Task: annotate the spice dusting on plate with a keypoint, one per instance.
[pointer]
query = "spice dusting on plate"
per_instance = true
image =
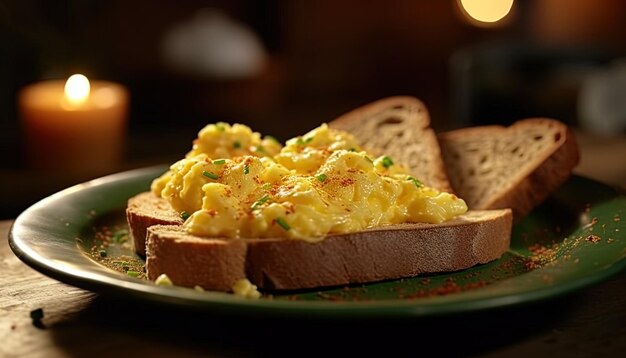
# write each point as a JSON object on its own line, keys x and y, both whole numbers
{"x": 111, "y": 248}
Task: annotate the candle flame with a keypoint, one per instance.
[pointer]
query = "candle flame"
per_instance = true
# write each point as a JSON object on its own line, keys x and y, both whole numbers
{"x": 486, "y": 11}
{"x": 77, "y": 89}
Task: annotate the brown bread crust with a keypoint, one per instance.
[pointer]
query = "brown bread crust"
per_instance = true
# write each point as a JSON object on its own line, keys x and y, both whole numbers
{"x": 400, "y": 128}
{"x": 188, "y": 260}
{"x": 383, "y": 253}
{"x": 145, "y": 210}
{"x": 520, "y": 185}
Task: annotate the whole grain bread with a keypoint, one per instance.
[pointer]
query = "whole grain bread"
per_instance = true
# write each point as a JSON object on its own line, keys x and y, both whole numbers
{"x": 389, "y": 252}
{"x": 145, "y": 210}
{"x": 493, "y": 167}
{"x": 400, "y": 128}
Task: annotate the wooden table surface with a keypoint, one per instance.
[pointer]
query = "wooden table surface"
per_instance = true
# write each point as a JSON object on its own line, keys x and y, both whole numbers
{"x": 78, "y": 323}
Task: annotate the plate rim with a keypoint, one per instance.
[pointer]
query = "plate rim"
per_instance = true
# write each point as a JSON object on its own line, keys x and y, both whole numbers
{"x": 225, "y": 302}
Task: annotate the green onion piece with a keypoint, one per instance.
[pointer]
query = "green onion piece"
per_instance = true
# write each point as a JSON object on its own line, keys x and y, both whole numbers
{"x": 236, "y": 144}
{"x": 103, "y": 253}
{"x": 308, "y": 140}
{"x": 283, "y": 224}
{"x": 220, "y": 127}
{"x": 260, "y": 202}
{"x": 185, "y": 215}
{"x": 387, "y": 162}
{"x": 267, "y": 186}
{"x": 219, "y": 161}
{"x": 322, "y": 177}
{"x": 210, "y": 175}
{"x": 120, "y": 236}
{"x": 353, "y": 149}
{"x": 417, "y": 183}
{"x": 369, "y": 159}
{"x": 260, "y": 149}
{"x": 132, "y": 273}
{"x": 246, "y": 169}
{"x": 299, "y": 141}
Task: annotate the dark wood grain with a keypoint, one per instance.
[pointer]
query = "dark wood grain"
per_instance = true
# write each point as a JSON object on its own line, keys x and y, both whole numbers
{"x": 80, "y": 323}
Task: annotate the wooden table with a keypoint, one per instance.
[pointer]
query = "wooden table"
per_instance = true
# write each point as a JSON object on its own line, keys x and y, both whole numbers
{"x": 79, "y": 323}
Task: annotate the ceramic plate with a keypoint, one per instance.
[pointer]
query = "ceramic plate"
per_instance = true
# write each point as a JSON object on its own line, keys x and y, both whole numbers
{"x": 576, "y": 238}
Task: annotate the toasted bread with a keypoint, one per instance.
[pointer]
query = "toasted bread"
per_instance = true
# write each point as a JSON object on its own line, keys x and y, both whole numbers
{"x": 494, "y": 167}
{"x": 400, "y": 128}
{"x": 145, "y": 210}
{"x": 377, "y": 254}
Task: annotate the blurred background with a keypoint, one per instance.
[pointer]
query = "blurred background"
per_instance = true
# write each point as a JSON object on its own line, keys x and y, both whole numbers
{"x": 283, "y": 67}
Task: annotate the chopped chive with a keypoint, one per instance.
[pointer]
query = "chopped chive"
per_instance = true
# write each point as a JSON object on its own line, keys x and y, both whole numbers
{"x": 322, "y": 177}
{"x": 220, "y": 127}
{"x": 125, "y": 267}
{"x": 219, "y": 161}
{"x": 103, "y": 253}
{"x": 260, "y": 202}
{"x": 210, "y": 175}
{"x": 369, "y": 159}
{"x": 417, "y": 183}
{"x": 283, "y": 224}
{"x": 260, "y": 149}
{"x": 236, "y": 144}
{"x": 185, "y": 215}
{"x": 267, "y": 186}
{"x": 353, "y": 149}
{"x": 132, "y": 273}
{"x": 387, "y": 162}
{"x": 246, "y": 169}
{"x": 120, "y": 236}
{"x": 301, "y": 141}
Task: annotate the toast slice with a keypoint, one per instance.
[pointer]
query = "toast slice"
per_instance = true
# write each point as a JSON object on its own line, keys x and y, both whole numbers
{"x": 145, "y": 210}
{"x": 517, "y": 167}
{"x": 400, "y": 128}
{"x": 377, "y": 254}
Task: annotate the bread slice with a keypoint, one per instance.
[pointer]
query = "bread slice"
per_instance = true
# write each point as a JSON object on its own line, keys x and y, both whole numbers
{"x": 400, "y": 128}
{"x": 382, "y": 253}
{"x": 145, "y": 210}
{"x": 493, "y": 167}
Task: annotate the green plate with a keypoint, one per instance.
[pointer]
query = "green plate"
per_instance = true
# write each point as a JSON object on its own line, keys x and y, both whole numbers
{"x": 576, "y": 238}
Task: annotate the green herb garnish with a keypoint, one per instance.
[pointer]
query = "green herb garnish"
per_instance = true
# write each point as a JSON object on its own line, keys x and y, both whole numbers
{"x": 246, "y": 169}
{"x": 103, "y": 253}
{"x": 353, "y": 149}
{"x": 283, "y": 224}
{"x": 219, "y": 161}
{"x": 260, "y": 149}
{"x": 185, "y": 215}
{"x": 387, "y": 162}
{"x": 301, "y": 141}
{"x": 260, "y": 202}
{"x": 417, "y": 183}
{"x": 236, "y": 144}
{"x": 120, "y": 236}
{"x": 132, "y": 273}
{"x": 322, "y": 177}
{"x": 369, "y": 159}
{"x": 220, "y": 127}
{"x": 267, "y": 186}
{"x": 210, "y": 175}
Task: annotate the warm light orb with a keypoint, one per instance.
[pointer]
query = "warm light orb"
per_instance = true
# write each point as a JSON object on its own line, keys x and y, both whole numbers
{"x": 77, "y": 89}
{"x": 487, "y": 10}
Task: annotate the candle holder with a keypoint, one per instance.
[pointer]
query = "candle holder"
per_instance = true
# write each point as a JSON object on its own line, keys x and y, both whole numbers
{"x": 75, "y": 128}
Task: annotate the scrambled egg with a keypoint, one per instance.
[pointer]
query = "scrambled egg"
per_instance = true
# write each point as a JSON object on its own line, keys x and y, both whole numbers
{"x": 235, "y": 184}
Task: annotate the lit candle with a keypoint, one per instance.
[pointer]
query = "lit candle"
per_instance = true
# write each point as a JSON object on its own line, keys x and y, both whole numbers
{"x": 75, "y": 127}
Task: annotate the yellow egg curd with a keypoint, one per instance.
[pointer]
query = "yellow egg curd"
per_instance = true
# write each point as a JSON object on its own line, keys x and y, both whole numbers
{"x": 318, "y": 184}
